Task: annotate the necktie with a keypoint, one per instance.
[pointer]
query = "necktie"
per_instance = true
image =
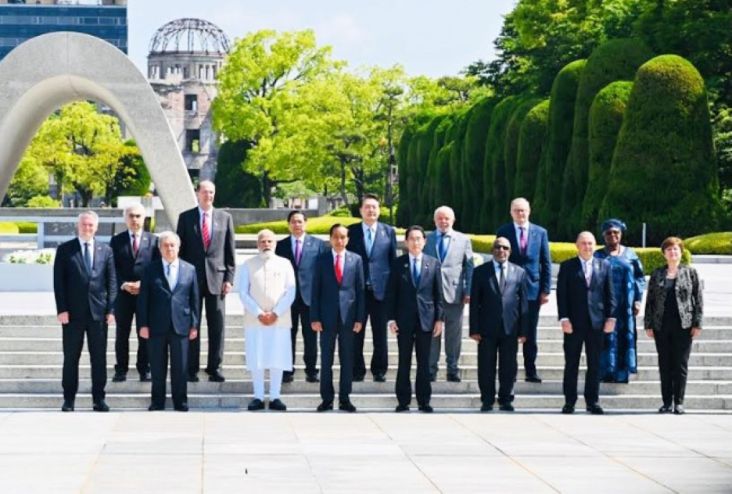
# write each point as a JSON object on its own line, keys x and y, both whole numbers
{"x": 588, "y": 272}
{"x": 442, "y": 247}
{"x": 135, "y": 244}
{"x": 169, "y": 275}
{"x": 522, "y": 240}
{"x": 205, "y": 232}
{"x": 415, "y": 272}
{"x": 338, "y": 269}
{"x": 298, "y": 252}
{"x": 369, "y": 241}
{"x": 502, "y": 277}
{"x": 87, "y": 257}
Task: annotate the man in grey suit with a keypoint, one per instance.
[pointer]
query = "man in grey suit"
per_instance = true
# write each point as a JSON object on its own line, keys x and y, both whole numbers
{"x": 455, "y": 253}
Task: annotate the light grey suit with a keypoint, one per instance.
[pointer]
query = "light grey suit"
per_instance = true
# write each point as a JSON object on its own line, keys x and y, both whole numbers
{"x": 457, "y": 275}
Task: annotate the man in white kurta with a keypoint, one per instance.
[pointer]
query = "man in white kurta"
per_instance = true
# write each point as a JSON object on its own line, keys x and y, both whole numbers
{"x": 267, "y": 290}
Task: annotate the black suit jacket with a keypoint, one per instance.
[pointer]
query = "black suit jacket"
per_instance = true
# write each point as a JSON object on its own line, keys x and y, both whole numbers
{"x": 129, "y": 267}
{"x": 415, "y": 307}
{"x": 583, "y": 305}
{"x": 82, "y": 294}
{"x": 492, "y": 313}
{"x": 376, "y": 266}
{"x": 312, "y": 247}
{"x": 160, "y": 308}
{"x": 217, "y": 264}
{"x": 331, "y": 300}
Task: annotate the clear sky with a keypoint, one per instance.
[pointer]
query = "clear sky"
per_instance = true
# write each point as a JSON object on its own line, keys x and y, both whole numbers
{"x": 428, "y": 37}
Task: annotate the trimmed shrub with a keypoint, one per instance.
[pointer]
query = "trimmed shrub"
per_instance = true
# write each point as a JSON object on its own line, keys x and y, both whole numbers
{"x": 606, "y": 118}
{"x": 548, "y": 198}
{"x": 8, "y": 228}
{"x": 663, "y": 171}
{"x": 473, "y": 158}
{"x": 459, "y": 200}
{"x": 510, "y": 147}
{"x": 711, "y": 243}
{"x": 532, "y": 139}
{"x": 424, "y": 139}
{"x": 615, "y": 60}
{"x": 443, "y": 187}
{"x": 429, "y": 196}
{"x": 43, "y": 202}
{"x": 405, "y": 201}
{"x": 26, "y": 227}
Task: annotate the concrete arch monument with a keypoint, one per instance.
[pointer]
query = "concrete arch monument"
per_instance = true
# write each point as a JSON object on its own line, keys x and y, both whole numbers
{"x": 48, "y": 71}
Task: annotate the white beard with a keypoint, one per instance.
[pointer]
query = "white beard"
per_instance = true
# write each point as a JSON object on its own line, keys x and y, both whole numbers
{"x": 266, "y": 255}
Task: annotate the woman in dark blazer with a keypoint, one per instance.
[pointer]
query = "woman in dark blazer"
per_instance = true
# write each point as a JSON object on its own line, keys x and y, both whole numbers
{"x": 673, "y": 317}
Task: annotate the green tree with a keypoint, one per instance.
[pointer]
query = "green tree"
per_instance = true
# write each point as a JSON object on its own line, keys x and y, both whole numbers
{"x": 531, "y": 145}
{"x": 236, "y": 188}
{"x": 474, "y": 157}
{"x": 30, "y": 180}
{"x": 511, "y": 146}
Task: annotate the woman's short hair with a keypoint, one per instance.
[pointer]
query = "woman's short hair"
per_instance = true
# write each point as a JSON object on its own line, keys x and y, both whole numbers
{"x": 670, "y": 242}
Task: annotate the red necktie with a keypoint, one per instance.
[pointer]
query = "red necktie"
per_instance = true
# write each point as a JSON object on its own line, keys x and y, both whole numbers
{"x": 205, "y": 232}
{"x": 338, "y": 269}
{"x": 135, "y": 244}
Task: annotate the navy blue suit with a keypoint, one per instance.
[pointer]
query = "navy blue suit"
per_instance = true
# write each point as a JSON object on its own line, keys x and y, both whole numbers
{"x": 537, "y": 262}
{"x": 169, "y": 314}
{"x": 376, "y": 275}
{"x": 130, "y": 268}
{"x": 337, "y": 307}
{"x": 500, "y": 317}
{"x": 88, "y": 296}
{"x": 587, "y": 308}
{"x": 311, "y": 248}
{"x": 415, "y": 308}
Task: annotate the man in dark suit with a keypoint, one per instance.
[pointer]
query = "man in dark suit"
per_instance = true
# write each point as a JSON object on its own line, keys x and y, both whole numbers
{"x": 207, "y": 242}
{"x": 337, "y": 310}
{"x": 586, "y": 304}
{"x": 302, "y": 250}
{"x": 416, "y": 315}
{"x": 498, "y": 322}
{"x": 168, "y": 314}
{"x": 376, "y": 243}
{"x": 133, "y": 250}
{"x": 85, "y": 287}
{"x": 530, "y": 250}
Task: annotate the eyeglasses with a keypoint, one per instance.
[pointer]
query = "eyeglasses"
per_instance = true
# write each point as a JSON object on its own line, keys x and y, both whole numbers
{"x": 134, "y": 215}
{"x": 501, "y": 247}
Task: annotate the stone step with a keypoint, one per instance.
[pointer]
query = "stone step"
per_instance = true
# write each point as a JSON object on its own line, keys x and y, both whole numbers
{"x": 371, "y": 402}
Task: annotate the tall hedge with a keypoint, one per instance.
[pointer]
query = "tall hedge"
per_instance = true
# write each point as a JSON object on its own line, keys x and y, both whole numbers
{"x": 663, "y": 170}
{"x": 606, "y": 118}
{"x": 440, "y": 186}
{"x": 548, "y": 199}
{"x": 424, "y": 138}
{"x": 404, "y": 211}
{"x": 441, "y": 125}
{"x": 443, "y": 189}
{"x": 615, "y": 60}
{"x": 473, "y": 158}
{"x": 531, "y": 143}
{"x": 510, "y": 147}
{"x": 456, "y": 168}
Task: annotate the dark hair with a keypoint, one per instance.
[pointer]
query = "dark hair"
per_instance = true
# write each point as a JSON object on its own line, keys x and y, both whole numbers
{"x": 294, "y": 212}
{"x": 369, "y": 196}
{"x": 670, "y": 242}
{"x": 411, "y": 229}
{"x": 337, "y": 225}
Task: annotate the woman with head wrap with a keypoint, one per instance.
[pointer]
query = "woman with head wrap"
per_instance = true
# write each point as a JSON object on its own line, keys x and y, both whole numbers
{"x": 618, "y": 358}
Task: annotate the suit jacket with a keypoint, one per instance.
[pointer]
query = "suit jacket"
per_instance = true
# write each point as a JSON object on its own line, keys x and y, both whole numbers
{"x": 78, "y": 292}
{"x": 688, "y": 298}
{"x": 537, "y": 261}
{"x": 160, "y": 308}
{"x": 129, "y": 267}
{"x": 456, "y": 267}
{"x": 581, "y": 304}
{"x": 376, "y": 266}
{"x": 415, "y": 307}
{"x": 217, "y": 264}
{"x": 494, "y": 313}
{"x": 312, "y": 247}
{"x": 330, "y": 300}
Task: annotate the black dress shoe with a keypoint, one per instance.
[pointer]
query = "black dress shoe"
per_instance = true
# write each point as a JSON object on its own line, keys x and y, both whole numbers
{"x": 665, "y": 409}
{"x": 68, "y": 406}
{"x": 325, "y": 406}
{"x": 359, "y": 378}
{"x": 155, "y": 408}
{"x": 119, "y": 377}
{"x": 433, "y": 378}
{"x": 100, "y": 406}
{"x": 595, "y": 409}
{"x": 277, "y": 405}
{"x": 255, "y": 404}
{"x": 567, "y": 408}
{"x": 379, "y": 378}
{"x": 402, "y": 408}
{"x": 453, "y": 378}
{"x": 182, "y": 407}
{"x": 145, "y": 377}
{"x": 312, "y": 378}
{"x": 288, "y": 378}
{"x": 506, "y": 407}
{"x": 533, "y": 379}
{"x": 426, "y": 409}
{"x": 193, "y": 378}
{"x": 679, "y": 409}
{"x": 216, "y": 377}
{"x": 485, "y": 407}
{"x": 346, "y": 406}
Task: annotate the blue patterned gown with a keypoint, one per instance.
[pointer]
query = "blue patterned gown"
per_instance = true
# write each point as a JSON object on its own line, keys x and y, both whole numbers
{"x": 619, "y": 358}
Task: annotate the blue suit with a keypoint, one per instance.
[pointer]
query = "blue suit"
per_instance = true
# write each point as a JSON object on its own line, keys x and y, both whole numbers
{"x": 337, "y": 307}
{"x": 311, "y": 248}
{"x": 376, "y": 267}
{"x": 537, "y": 262}
{"x": 587, "y": 308}
{"x": 169, "y": 314}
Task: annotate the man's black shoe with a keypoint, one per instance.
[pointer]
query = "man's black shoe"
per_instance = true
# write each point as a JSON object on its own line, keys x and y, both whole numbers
{"x": 567, "y": 408}
{"x": 216, "y": 377}
{"x": 595, "y": 409}
{"x": 359, "y": 378}
{"x": 665, "y": 409}
{"x": 506, "y": 407}
{"x": 379, "y": 378}
{"x": 453, "y": 378}
{"x": 145, "y": 377}
{"x": 433, "y": 378}
{"x": 277, "y": 405}
{"x": 100, "y": 406}
{"x": 402, "y": 408}
{"x": 183, "y": 407}
{"x": 485, "y": 407}
{"x": 255, "y": 404}
{"x": 68, "y": 406}
{"x": 119, "y": 377}
{"x": 533, "y": 379}
{"x": 288, "y": 378}
{"x": 325, "y": 406}
{"x": 679, "y": 409}
{"x": 346, "y": 406}
{"x": 155, "y": 408}
{"x": 193, "y": 378}
{"x": 426, "y": 409}
{"x": 312, "y": 378}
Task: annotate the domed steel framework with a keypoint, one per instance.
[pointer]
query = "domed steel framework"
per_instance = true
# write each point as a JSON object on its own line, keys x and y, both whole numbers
{"x": 189, "y": 36}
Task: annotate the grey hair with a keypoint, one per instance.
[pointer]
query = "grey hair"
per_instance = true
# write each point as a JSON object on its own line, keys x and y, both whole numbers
{"x": 135, "y": 206}
{"x": 445, "y": 209}
{"x": 91, "y": 213}
{"x": 166, "y": 235}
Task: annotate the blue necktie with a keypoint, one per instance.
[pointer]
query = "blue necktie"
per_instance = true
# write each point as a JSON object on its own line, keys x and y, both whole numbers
{"x": 441, "y": 246}
{"x": 415, "y": 273}
{"x": 87, "y": 257}
{"x": 369, "y": 242}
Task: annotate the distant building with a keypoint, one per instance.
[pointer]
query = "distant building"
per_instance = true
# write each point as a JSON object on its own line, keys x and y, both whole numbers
{"x": 21, "y": 20}
{"x": 185, "y": 56}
